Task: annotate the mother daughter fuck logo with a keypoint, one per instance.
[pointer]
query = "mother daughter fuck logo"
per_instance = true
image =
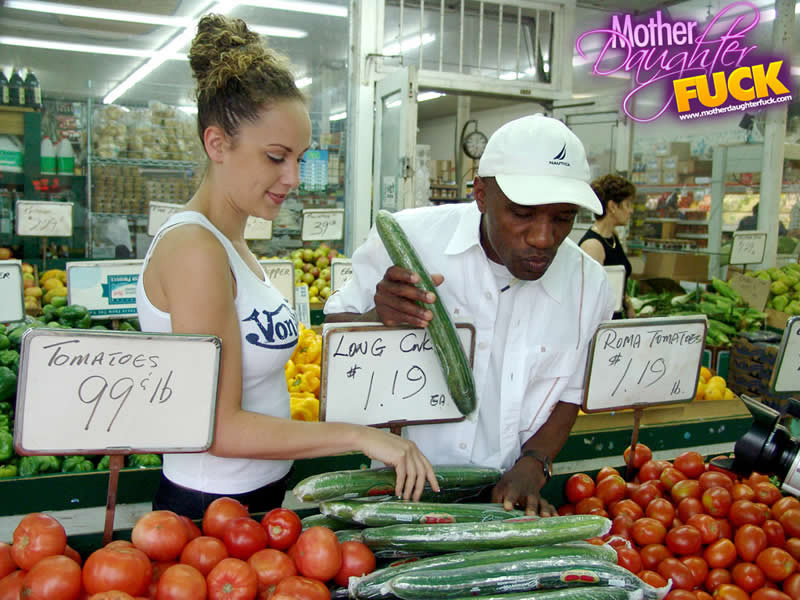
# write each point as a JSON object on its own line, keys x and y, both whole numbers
{"x": 693, "y": 70}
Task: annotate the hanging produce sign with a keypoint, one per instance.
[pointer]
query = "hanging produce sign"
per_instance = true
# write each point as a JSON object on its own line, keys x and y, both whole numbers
{"x": 43, "y": 218}
{"x": 106, "y": 288}
{"x": 322, "y": 224}
{"x": 341, "y": 272}
{"x": 385, "y": 376}
{"x": 302, "y": 304}
{"x": 753, "y": 290}
{"x": 158, "y": 213}
{"x": 748, "y": 247}
{"x": 257, "y": 229}
{"x": 786, "y": 374}
{"x": 644, "y": 362}
{"x": 616, "y": 280}
{"x": 12, "y": 304}
{"x": 281, "y": 275}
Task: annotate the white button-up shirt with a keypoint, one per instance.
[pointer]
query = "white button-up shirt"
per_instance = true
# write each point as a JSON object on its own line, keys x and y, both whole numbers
{"x": 551, "y": 323}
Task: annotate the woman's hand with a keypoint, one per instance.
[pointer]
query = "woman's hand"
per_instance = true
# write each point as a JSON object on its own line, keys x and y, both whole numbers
{"x": 411, "y": 466}
{"x": 396, "y": 297}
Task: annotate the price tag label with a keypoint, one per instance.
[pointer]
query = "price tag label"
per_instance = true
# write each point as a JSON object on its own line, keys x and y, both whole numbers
{"x": 644, "y": 362}
{"x": 322, "y": 224}
{"x": 92, "y": 392}
{"x": 44, "y": 219}
{"x": 281, "y": 275}
{"x": 753, "y": 290}
{"x": 616, "y": 279}
{"x": 377, "y": 375}
{"x": 341, "y": 272}
{"x": 158, "y": 214}
{"x": 786, "y": 374}
{"x": 106, "y": 288}
{"x": 302, "y": 305}
{"x": 257, "y": 229}
{"x": 12, "y": 304}
{"x": 748, "y": 247}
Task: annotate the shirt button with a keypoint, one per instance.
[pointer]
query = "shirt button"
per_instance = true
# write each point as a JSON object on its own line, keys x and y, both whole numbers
{"x": 463, "y": 446}
{"x": 456, "y": 312}
{"x": 488, "y": 295}
{"x": 483, "y": 345}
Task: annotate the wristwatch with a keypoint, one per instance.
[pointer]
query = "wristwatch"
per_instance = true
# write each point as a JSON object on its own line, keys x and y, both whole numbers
{"x": 547, "y": 464}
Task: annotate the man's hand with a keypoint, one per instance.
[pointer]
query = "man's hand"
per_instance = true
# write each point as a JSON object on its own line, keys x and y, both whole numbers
{"x": 521, "y": 486}
{"x": 396, "y": 297}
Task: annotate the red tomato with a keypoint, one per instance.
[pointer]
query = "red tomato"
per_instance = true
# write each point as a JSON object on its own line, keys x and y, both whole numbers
{"x": 11, "y": 585}
{"x": 783, "y": 505}
{"x": 743, "y": 512}
{"x": 244, "y": 537}
{"x": 158, "y": 570}
{"x": 728, "y": 591}
{"x": 648, "y": 531}
{"x": 717, "y": 577}
{"x": 661, "y": 510}
{"x": 707, "y": 525}
{"x": 566, "y": 509}
{"x": 653, "y": 554}
{"x": 647, "y": 492}
{"x": 720, "y": 554}
{"x": 271, "y": 566}
{"x": 630, "y": 488}
{"x": 192, "y": 530}
{"x": 318, "y": 554}
{"x": 203, "y": 553}
{"x": 160, "y": 534}
{"x": 53, "y": 578}
{"x": 792, "y": 546}
{"x": 585, "y": 506}
{"x": 717, "y": 501}
{"x": 755, "y": 478}
{"x": 651, "y": 470}
{"x": 775, "y": 534}
{"x": 219, "y": 512}
{"x": 37, "y": 536}
{"x": 605, "y": 472}
{"x": 7, "y": 564}
{"x": 302, "y": 588}
{"x": 686, "y": 488}
{"x": 749, "y": 541}
{"x": 652, "y": 578}
{"x": 181, "y": 582}
{"x": 626, "y": 507}
{"x": 232, "y": 579}
{"x": 283, "y": 527}
{"x": 690, "y": 464}
{"x": 126, "y": 569}
{"x": 791, "y": 586}
{"x": 616, "y": 542}
{"x": 725, "y": 529}
{"x": 670, "y": 476}
{"x": 640, "y": 455}
{"x": 766, "y": 593}
{"x": 698, "y": 567}
{"x": 684, "y": 540}
{"x": 748, "y": 576}
{"x": 703, "y": 595}
{"x": 689, "y": 507}
{"x": 357, "y": 560}
{"x": 742, "y": 491}
{"x": 578, "y": 487}
{"x": 115, "y": 595}
{"x": 790, "y": 520}
{"x": 711, "y": 479}
{"x": 629, "y": 558}
{"x": 678, "y": 594}
{"x": 610, "y": 489}
{"x": 777, "y": 564}
{"x": 119, "y": 544}
{"x": 621, "y": 525}
{"x": 672, "y": 568}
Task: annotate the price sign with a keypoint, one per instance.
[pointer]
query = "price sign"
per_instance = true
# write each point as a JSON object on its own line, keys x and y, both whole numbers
{"x": 616, "y": 279}
{"x": 748, "y": 247}
{"x": 786, "y": 374}
{"x": 323, "y": 224}
{"x": 12, "y": 305}
{"x": 281, "y": 275}
{"x": 377, "y": 375}
{"x": 341, "y": 272}
{"x": 158, "y": 214}
{"x": 302, "y": 305}
{"x": 106, "y": 288}
{"x": 753, "y": 290}
{"x": 643, "y": 362}
{"x": 257, "y": 229}
{"x": 96, "y": 392}
{"x": 44, "y": 219}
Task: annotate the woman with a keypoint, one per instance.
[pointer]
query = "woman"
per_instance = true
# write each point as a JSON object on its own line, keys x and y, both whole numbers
{"x": 200, "y": 277}
{"x": 600, "y": 241}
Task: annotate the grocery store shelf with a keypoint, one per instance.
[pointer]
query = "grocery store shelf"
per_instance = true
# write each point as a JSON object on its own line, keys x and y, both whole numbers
{"x": 692, "y": 236}
{"x": 145, "y": 163}
{"x": 644, "y": 248}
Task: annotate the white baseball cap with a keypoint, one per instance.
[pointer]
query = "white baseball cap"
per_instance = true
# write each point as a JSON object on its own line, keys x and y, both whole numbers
{"x": 538, "y": 160}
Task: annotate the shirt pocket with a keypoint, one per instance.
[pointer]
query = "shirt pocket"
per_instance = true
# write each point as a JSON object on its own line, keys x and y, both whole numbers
{"x": 551, "y": 361}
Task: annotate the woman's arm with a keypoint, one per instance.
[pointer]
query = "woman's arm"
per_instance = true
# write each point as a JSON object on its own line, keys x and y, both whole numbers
{"x": 594, "y": 249}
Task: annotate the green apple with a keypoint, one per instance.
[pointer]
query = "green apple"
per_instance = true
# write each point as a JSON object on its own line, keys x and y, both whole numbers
{"x": 308, "y": 254}
{"x": 307, "y": 278}
{"x": 325, "y": 292}
{"x": 323, "y": 261}
{"x": 297, "y": 262}
{"x": 325, "y": 274}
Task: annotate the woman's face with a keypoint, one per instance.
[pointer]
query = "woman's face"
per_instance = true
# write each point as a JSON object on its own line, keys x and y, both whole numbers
{"x": 622, "y": 212}
{"x": 262, "y": 164}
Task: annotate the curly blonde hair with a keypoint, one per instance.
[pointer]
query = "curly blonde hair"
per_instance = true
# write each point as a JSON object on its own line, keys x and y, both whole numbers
{"x": 612, "y": 188}
{"x": 237, "y": 75}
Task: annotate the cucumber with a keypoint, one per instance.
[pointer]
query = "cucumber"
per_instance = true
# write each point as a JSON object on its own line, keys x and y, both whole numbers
{"x": 377, "y": 514}
{"x": 574, "y": 593}
{"x": 454, "y": 537}
{"x": 446, "y": 344}
{"x": 348, "y": 535}
{"x": 373, "y": 586}
{"x": 379, "y": 482}
{"x": 521, "y": 576}
{"x": 325, "y": 521}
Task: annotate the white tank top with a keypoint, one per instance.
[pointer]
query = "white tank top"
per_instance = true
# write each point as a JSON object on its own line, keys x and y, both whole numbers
{"x": 269, "y": 334}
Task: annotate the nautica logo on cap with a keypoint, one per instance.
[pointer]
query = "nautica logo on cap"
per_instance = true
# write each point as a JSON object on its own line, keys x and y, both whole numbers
{"x": 558, "y": 159}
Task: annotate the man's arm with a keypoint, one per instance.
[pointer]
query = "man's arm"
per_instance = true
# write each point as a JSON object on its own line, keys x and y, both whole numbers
{"x": 351, "y": 317}
{"x": 521, "y": 485}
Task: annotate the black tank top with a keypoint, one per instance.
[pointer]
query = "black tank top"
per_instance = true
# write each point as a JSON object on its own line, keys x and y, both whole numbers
{"x": 615, "y": 255}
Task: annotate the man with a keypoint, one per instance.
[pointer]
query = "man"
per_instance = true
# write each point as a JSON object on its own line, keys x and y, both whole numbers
{"x": 505, "y": 264}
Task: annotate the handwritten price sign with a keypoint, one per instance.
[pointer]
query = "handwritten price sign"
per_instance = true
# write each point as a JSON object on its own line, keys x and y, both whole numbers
{"x": 44, "y": 219}
{"x": 98, "y": 391}
{"x": 341, "y": 272}
{"x": 257, "y": 229}
{"x": 786, "y": 374}
{"x": 323, "y": 224}
{"x": 748, "y": 247}
{"x": 12, "y": 306}
{"x": 644, "y": 362}
{"x": 281, "y": 275}
{"x": 158, "y": 213}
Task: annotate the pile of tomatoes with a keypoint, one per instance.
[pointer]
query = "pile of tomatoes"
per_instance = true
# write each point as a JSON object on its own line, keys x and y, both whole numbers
{"x": 712, "y": 533}
{"x": 233, "y": 557}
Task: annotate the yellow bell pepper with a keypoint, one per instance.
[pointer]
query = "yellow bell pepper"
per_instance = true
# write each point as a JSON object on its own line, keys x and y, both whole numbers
{"x": 304, "y": 382}
{"x": 308, "y": 368}
{"x": 308, "y": 350}
{"x": 304, "y": 407}
{"x": 290, "y": 370}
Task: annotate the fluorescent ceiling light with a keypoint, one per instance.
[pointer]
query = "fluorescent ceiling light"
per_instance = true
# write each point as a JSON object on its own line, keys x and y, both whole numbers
{"x": 337, "y": 116}
{"x": 69, "y": 47}
{"x": 284, "y": 32}
{"x": 56, "y": 8}
{"x": 303, "y": 82}
{"x": 796, "y": 71}
{"x": 408, "y": 44}
{"x": 316, "y": 8}
{"x": 424, "y": 96}
{"x": 512, "y": 76}
{"x": 189, "y": 110}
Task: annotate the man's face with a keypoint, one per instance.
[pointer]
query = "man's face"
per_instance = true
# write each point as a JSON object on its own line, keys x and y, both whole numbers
{"x": 523, "y": 238}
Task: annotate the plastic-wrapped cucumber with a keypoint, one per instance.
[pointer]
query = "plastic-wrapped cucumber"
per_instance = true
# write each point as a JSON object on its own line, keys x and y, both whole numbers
{"x": 520, "y": 576}
{"x": 325, "y": 521}
{"x": 455, "y": 537}
{"x": 573, "y": 593}
{"x": 380, "y": 482}
{"x": 377, "y": 514}
{"x": 373, "y": 586}
{"x": 348, "y": 535}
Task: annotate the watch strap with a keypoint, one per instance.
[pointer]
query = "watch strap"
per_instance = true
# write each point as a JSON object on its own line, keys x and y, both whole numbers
{"x": 547, "y": 464}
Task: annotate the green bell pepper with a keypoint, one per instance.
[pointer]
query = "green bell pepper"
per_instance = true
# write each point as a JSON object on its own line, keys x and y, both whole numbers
{"x": 125, "y": 326}
{"x": 6, "y": 408}
{"x": 5, "y": 423}
{"x": 780, "y": 302}
{"x": 9, "y": 358}
{"x": 4, "y": 341}
{"x": 7, "y": 471}
{"x": 144, "y": 460}
{"x": 103, "y": 464}
{"x": 6, "y": 446}
{"x": 76, "y": 464}
{"x": 8, "y": 383}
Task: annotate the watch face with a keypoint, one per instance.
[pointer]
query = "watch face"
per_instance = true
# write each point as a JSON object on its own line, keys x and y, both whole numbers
{"x": 475, "y": 144}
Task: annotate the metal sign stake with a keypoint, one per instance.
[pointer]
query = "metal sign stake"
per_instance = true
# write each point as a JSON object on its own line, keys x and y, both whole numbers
{"x": 115, "y": 463}
{"x": 637, "y": 420}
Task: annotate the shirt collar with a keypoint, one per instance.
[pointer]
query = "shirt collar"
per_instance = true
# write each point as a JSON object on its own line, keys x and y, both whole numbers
{"x": 468, "y": 231}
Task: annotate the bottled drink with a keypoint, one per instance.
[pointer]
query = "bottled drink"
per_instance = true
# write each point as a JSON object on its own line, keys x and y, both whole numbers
{"x": 65, "y": 158}
{"x": 16, "y": 90}
{"x": 33, "y": 91}
{"x": 6, "y": 212}
{"x": 3, "y": 88}
{"x": 48, "y": 157}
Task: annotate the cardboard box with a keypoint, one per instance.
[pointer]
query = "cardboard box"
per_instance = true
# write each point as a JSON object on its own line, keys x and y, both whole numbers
{"x": 652, "y": 177}
{"x": 686, "y": 267}
{"x": 776, "y": 318}
{"x": 686, "y": 167}
{"x": 669, "y": 163}
{"x": 653, "y": 163}
{"x": 702, "y": 167}
{"x": 669, "y": 177}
